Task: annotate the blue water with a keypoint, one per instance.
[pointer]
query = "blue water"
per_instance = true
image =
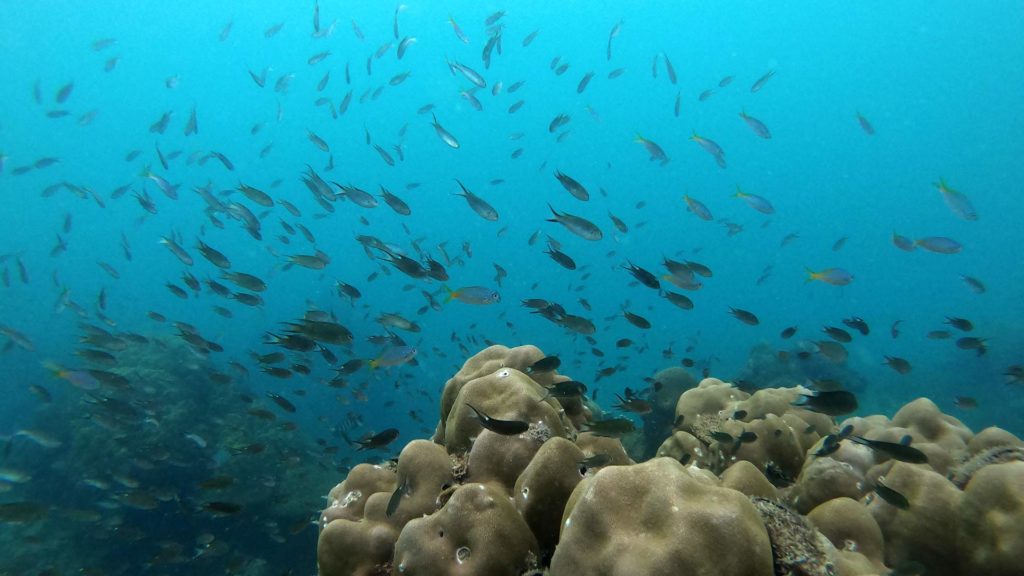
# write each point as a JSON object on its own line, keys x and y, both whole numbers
{"x": 939, "y": 82}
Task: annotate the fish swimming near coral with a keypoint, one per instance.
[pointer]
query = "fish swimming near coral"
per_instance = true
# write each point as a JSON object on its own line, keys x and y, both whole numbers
{"x": 503, "y": 427}
{"x": 896, "y": 451}
{"x": 633, "y": 404}
{"x": 396, "y": 497}
{"x": 394, "y": 356}
{"x": 834, "y": 403}
{"x": 377, "y": 441}
{"x": 546, "y": 364}
{"x": 610, "y": 427}
{"x": 891, "y": 496}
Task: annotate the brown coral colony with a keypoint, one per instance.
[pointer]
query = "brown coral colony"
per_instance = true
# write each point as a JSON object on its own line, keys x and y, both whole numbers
{"x": 516, "y": 481}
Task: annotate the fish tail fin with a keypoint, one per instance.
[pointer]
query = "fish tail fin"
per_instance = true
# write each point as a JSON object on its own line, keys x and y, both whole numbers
{"x": 811, "y": 275}
{"x": 450, "y": 294}
{"x": 55, "y": 370}
{"x": 145, "y": 172}
{"x": 639, "y": 139}
{"x": 553, "y": 211}
{"x": 372, "y": 364}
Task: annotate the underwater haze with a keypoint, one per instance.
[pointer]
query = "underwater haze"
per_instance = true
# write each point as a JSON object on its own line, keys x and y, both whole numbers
{"x": 241, "y": 240}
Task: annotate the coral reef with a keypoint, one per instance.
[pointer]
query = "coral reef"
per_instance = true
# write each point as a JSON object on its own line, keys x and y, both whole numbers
{"x": 161, "y": 443}
{"x": 739, "y": 482}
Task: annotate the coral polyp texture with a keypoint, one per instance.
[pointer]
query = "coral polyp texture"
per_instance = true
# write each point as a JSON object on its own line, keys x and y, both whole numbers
{"x": 522, "y": 478}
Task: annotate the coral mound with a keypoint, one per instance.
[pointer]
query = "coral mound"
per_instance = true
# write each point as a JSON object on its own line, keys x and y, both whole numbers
{"x": 741, "y": 483}
{"x": 478, "y": 531}
{"x": 654, "y": 517}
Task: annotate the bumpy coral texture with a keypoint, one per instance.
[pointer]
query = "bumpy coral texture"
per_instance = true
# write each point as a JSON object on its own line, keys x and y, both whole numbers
{"x": 555, "y": 501}
{"x": 544, "y": 487}
{"x": 659, "y": 518}
{"x": 991, "y": 521}
{"x": 478, "y": 531}
{"x": 854, "y": 532}
{"x": 927, "y": 531}
{"x": 485, "y": 362}
{"x": 358, "y": 535}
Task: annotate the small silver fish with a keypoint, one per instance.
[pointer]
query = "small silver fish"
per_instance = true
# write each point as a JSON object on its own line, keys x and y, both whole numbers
{"x": 478, "y": 204}
{"x": 445, "y": 135}
{"x": 756, "y": 125}
{"x": 577, "y": 225}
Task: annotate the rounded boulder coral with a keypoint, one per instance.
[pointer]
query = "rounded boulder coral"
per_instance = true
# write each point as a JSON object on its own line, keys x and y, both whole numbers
{"x": 659, "y": 518}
